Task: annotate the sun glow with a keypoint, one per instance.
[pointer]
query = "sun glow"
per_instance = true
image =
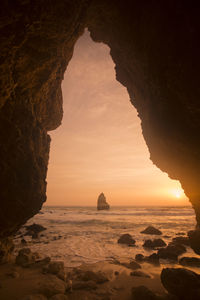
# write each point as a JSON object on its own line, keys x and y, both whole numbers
{"x": 177, "y": 193}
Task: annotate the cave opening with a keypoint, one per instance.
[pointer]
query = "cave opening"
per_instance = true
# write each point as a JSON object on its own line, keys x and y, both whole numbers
{"x": 100, "y": 146}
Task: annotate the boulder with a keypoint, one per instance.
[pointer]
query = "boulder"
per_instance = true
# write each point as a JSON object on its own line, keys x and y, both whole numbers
{"x": 156, "y": 243}
{"x": 142, "y": 293}
{"x": 34, "y": 297}
{"x": 51, "y": 286}
{"x": 172, "y": 251}
{"x": 140, "y": 274}
{"x": 181, "y": 240}
{"x": 190, "y": 261}
{"x": 101, "y": 202}
{"x": 181, "y": 282}
{"x": 59, "y": 297}
{"x": 126, "y": 239}
{"x": 194, "y": 239}
{"x": 139, "y": 257}
{"x": 151, "y": 230}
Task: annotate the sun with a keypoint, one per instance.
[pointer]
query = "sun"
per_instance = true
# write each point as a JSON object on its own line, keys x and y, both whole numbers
{"x": 177, "y": 193}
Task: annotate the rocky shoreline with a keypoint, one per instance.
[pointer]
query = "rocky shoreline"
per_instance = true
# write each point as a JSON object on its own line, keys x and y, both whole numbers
{"x": 161, "y": 275}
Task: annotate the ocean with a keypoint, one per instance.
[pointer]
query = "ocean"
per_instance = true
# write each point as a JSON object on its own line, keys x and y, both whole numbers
{"x": 79, "y": 235}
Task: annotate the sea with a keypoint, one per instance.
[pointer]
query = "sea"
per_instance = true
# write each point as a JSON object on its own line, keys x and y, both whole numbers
{"x": 78, "y": 235}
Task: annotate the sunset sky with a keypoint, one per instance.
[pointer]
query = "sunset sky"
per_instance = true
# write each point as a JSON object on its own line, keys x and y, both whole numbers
{"x": 99, "y": 147}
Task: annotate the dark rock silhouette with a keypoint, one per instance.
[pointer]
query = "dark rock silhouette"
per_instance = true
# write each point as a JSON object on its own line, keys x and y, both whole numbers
{"x": 101, "y": 202}
{"x": 156, "y": 243}
{"x": 34, "y": 228}
{"x": 159, "y": 71}
{"x": 190, "y": 261}
{"x": 194, "y": 239}
{"x": 153, "y": 259}
{"x": 151, "y": 230}
{"x": 126, "y": 239}
{"x": 172, "y": 251}
{"x": 181, "y": 240}
{"x": 181, "y": 282}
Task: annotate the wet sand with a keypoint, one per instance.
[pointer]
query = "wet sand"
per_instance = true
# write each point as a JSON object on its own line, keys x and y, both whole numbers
{"x": 119, "y": 286}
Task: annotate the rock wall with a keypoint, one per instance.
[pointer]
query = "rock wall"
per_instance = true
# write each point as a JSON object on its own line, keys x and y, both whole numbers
{"x": 155, "y": 46}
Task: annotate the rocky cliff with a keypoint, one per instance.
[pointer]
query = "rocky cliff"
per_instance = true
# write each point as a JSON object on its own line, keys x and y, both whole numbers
{"x": 155, "y": 46}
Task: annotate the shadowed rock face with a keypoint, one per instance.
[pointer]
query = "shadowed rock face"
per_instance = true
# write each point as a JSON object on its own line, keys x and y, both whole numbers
{"x": 155, "y": 47}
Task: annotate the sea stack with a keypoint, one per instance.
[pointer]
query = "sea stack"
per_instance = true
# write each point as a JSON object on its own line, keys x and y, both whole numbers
{"x": 101, "y": 202}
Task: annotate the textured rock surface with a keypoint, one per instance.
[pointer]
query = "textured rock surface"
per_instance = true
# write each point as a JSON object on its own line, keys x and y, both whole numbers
{"x": 155, "y": 46}
{"x": 102, "y": 203}
{"x": 194, "y": 239}
{"x": 181, "y": 282}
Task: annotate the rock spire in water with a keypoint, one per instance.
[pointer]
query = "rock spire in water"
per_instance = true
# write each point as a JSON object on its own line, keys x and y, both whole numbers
{"x": 101, "y": 202}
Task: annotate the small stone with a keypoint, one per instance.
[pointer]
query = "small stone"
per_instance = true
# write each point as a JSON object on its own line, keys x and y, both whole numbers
{"x": 143, "y": 293}
{"x": 35, "y": 228}
{"x": 126, "y": 239}
{"x": 153, "y": 259}
{"x": 139, "y": 257}
{"x": 190, "y": 261}
{"x": 156, "y": 243}
{"x": 152, "y": 230}
{"x": 140, "y": 274}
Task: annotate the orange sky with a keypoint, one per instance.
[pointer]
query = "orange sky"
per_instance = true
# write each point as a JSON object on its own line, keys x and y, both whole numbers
{"x": 99, "y": 147}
